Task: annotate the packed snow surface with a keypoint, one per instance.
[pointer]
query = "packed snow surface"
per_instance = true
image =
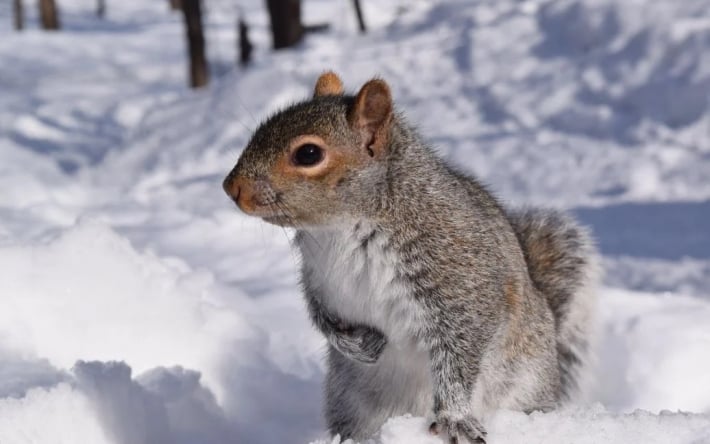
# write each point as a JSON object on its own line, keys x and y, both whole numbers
{"x": 139, "y": 307}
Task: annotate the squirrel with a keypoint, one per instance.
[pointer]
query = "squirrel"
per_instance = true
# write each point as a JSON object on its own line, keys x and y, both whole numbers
{"x": 434, "y": 299}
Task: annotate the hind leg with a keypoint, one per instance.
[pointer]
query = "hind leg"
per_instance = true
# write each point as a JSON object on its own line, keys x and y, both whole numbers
{"x": 346, "y": 411}
{"x": 360, "y": 397}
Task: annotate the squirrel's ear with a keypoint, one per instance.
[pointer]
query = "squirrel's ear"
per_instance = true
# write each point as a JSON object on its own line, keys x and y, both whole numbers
{"x": 328, "y": 84}
{"x": 372, "y": 115}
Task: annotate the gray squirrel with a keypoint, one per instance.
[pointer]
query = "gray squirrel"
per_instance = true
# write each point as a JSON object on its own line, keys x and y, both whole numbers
{"x": 434, "y": 299}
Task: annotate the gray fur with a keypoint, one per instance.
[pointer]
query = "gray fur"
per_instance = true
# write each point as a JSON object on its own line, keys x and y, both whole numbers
{"x": 564, "y": 265}
{"x": 435, "y": 301}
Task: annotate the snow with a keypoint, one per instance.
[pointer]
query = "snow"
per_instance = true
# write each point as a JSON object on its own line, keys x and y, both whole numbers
{"x": 66, "y": 418}
{"x": 584, "y": 426}
{"x": 110, "y": 286}
{"x": 138, "y": 306}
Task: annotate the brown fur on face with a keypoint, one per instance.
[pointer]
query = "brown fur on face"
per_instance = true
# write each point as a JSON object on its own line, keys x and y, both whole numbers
{"x": 254, "y": 197}
{"x": 353, "y": 133}
{"x": 337, "y": 162}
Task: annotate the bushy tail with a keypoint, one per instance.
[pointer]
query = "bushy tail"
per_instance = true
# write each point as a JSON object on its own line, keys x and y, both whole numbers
{"x": 563, "y": 263}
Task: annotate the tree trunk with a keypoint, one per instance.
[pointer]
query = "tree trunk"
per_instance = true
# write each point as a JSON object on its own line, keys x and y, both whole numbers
{"x": 286, "y": 26}
{"x": 48, "y": 14}
{"x": 101, "y": 8}
{"x": 19, "y": 15}
{"x": 175, "y": 5}
{"x": 244, "y": 43}
{"x": 360, "y": 19}
{"x": 199, "y": 74}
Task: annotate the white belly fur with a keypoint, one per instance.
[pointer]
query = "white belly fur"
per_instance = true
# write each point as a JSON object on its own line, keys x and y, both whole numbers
{"x": 360, "y": 284}
{"x": 361, "y": 287}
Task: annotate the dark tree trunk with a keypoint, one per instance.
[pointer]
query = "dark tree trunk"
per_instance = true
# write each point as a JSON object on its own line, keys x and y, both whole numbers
{"x": 360, "y": 19}
{"x": 48, "y": 14}
{"x": 286, "y": 24}
{"x": 245, "y": 46}
{"x": 101, "y": 8}
{"x": 175, "y": 5}
{"x": 199, "y": 74}
{"x": 19, "y": 15}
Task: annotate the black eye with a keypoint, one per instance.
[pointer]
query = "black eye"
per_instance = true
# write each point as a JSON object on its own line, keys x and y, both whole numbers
{"x": 308, "y": 155}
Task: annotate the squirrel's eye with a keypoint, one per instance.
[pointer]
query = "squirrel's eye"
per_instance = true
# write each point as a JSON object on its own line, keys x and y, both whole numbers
{"x": 308, "y": 155}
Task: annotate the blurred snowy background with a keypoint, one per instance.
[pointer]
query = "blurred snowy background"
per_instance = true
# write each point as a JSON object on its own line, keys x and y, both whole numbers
{"x": 137, "y": 306}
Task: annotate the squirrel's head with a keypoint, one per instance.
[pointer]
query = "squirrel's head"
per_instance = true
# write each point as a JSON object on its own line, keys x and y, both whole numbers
{"x": 318, "y": 161}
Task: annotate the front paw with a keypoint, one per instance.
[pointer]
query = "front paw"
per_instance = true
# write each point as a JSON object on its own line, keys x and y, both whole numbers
{"x": 460, "y": 430}
{"x": 361, "y": 343}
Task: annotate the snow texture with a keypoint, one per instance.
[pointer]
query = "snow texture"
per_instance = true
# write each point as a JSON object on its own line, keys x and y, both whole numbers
{"x": 138, "y": 306}
{"x": 583, "y": 426}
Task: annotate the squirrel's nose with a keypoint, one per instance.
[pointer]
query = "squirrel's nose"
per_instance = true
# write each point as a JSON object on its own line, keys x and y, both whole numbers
{"x": 231, "y": 187}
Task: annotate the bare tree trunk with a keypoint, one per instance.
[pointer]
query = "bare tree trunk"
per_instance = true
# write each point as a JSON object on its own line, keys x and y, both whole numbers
{"x": 243, "y": 42}
{"x": 360, "y": 19}
{"x": 175, "y": 5}
{"x": 199, "y": 74}
{"x": 101, "y": 8}
{"x": 286, "y": 24}
{"x": 48, "y": 14}
{"x": 19, "y": 15}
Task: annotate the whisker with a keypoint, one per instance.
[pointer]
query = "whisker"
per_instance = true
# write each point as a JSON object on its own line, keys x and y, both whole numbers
{"x": 222, "y": 107}
{"x": 287, "y": 214}
{"x": 302, "y": 228}
{"x": 304, "y": 247}
{"x": 275, "y": 205}
{"x": 244, "y": 107}
{"x": 244, "y": 125}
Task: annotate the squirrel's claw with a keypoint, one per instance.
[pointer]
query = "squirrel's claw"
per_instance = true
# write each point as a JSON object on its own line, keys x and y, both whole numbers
{"x": 467, "y": 430}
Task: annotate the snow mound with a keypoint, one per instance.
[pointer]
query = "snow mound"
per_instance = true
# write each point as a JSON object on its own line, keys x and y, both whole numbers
{"x": 67, "y": 417}
{"x": 88, "y": 294}
{"x": 162, "y": 406}
{"x": 101, "y": 403}
{"x": 654, "y": 352}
